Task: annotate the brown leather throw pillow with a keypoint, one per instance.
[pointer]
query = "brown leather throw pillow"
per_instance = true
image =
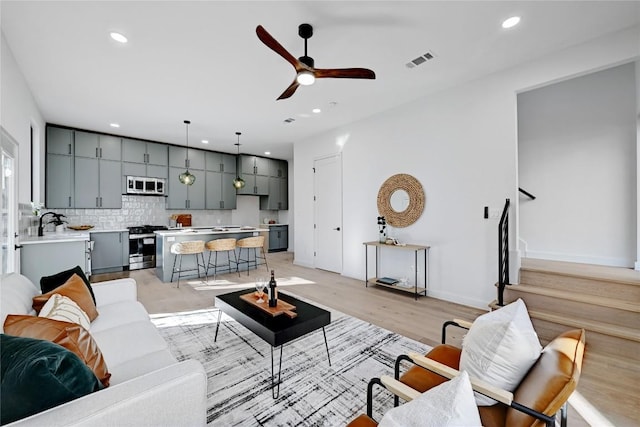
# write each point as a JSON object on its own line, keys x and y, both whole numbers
{"x": 69, "y": 335}
{"x": 75, "y": 289}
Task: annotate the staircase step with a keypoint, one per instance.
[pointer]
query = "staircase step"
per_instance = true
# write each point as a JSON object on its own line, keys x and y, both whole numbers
{"x": 617, "y": 282}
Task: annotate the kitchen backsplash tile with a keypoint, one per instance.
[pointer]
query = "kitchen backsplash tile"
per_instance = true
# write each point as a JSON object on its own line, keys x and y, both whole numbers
{"x": 140, "y": 210}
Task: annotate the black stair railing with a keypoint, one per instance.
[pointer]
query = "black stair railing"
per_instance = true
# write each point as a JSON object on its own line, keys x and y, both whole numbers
{"x": 503, "y": 253}
{"x": 526, "y": 193}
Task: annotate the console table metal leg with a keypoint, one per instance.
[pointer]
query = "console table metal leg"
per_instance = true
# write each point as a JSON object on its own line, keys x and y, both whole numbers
{"x": 275, "y": 387}
{"x": 326, "y": 345}
{"x": 415, "y": 294}
{"x": 366, "y": 266}
{"x": 217, "y": 325}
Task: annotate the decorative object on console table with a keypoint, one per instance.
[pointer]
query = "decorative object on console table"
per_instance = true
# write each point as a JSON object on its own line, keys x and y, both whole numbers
{"x": 382, "y": 225}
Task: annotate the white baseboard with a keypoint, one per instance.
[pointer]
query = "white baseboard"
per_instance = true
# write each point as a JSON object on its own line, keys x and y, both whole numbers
{"x": 458, "y": 299}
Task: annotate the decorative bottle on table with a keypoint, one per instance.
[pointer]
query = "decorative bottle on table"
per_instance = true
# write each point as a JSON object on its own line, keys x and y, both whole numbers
{"x": 273, "y": 292}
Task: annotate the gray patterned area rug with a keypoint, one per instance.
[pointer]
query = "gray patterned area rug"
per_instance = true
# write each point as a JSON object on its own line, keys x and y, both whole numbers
{"x": 312, "y": 393}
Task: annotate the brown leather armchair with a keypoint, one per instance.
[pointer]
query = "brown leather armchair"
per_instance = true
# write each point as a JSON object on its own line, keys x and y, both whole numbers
{"x": 541, "y": 394}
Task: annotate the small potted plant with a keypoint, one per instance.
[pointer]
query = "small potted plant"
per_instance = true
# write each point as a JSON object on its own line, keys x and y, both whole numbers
{"x": 58, "y": 222}
{"x": 382, "y": 227}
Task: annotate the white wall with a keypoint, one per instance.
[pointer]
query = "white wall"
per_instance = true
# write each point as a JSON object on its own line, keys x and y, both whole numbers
{"x": 461, "y": 145}
{"x": 18, "y": 111}
{"x": 577, "y": 155}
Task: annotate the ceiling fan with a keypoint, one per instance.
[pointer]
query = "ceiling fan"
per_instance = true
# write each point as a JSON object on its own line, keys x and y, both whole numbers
{"x": 304, "y": 66}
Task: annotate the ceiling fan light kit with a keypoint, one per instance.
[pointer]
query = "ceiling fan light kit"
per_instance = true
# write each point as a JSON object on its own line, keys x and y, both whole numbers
{"x": 186, "y": 177}
{"x": 306, "y": 73}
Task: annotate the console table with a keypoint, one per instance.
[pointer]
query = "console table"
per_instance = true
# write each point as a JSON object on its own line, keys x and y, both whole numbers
{"x": 415, "y": 289}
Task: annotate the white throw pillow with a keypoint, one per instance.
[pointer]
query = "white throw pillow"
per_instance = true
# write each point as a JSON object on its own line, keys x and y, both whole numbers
{"x": 447, "y": 405}
{"x": 59, "y": 307}
{"x": 500, "y": 348}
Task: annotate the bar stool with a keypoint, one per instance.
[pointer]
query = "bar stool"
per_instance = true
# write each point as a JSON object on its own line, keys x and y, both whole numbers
{"x": 193, "y": 247}
{"x": 222, "y": 245}
{"x": 254, "y": 243}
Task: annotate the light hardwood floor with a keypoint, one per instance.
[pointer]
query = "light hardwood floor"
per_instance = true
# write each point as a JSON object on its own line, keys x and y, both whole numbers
{"x": 396, "y": 311}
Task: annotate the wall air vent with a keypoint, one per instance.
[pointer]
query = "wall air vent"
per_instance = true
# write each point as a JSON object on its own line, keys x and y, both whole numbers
{"x": 420, "y": 60}
{"x": 289, "y": 120}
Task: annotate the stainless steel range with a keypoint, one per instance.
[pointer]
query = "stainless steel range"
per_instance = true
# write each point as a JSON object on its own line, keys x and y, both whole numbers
{"x": 142, "y": 246}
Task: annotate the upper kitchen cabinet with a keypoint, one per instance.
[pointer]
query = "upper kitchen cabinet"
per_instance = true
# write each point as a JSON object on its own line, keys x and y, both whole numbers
{"x": 143, "y": 152}
{"x": 59, "y": 170}
{"x": 220, "y": 162}
{"x": 178, "y": 158}
{"x": 278, "y": 168}
{"x": 255, "y": 172}
{"x": 93, "y": 145}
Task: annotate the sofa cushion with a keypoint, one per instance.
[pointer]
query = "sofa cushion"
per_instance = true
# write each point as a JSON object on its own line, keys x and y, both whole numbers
{"x": 71, "y": 336}
{"x": 117, "y": 314}
{"x": 63, "y": 308}
{"x": 449, "y": 404}
{"x": 36, "y": 375}
{"x": 144, "y": 364}
{"x": 500, "y": 347}
{"x": 16, "y": 295}
{"x": 130, "y": 341}
{"x": 49, "y": 283}
{"x": 73, "y": 288}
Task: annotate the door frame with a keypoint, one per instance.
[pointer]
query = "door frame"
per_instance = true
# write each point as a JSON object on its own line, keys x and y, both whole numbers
{"x": 10, "y": 145}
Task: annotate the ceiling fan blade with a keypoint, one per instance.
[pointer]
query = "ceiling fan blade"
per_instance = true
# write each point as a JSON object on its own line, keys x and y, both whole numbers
{"x": 344, "y": 73}
{"x": 290, "y": 90}
{"x": 273, "y": 44}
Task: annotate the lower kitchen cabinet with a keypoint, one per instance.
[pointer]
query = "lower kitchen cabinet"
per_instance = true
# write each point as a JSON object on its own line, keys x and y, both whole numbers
{"x": 47, "y": 258}
{"x": 278, "y": 238}
{"x": 110, "y": 251}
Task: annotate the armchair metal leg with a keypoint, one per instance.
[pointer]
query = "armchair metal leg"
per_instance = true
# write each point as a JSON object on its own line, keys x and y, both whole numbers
{"x": 372, "y": 382}
{"x": 396, "y": 375}
{"x": 563, "y": 415}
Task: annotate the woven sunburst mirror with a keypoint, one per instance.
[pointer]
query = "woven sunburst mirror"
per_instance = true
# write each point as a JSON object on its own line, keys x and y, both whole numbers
{"x": 401, "y": 200}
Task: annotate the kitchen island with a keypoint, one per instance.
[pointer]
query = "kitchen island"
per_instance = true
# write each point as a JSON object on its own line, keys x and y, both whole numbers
{"x": 54, "y": 252}
{"x": 166, "y": 238}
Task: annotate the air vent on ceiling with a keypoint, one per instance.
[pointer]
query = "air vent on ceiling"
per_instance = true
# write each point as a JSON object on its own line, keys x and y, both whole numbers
{"x": 420, "y": 60}
{"x": 289, "y": 120}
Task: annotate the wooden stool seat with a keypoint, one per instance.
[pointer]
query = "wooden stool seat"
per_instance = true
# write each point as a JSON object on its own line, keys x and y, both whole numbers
{"x": 194, "y": 247}
{"x": 222, "y": 245}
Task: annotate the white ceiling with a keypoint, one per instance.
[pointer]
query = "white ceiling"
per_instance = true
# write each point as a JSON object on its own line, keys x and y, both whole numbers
{"x": 202, "y": 60}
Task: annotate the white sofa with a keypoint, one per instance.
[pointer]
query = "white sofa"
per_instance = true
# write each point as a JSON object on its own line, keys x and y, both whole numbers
{"x": 148, "y": 387}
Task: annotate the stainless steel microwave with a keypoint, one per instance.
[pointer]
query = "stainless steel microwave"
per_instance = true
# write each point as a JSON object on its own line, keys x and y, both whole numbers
{"x": 147, "y": 186}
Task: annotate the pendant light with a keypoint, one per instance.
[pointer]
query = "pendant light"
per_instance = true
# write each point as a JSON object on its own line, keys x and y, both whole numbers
{"x": 238, "y": 183}
{"x": 186, "y": 177}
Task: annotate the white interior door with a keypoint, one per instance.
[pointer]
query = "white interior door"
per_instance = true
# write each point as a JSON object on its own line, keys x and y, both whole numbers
{"x": 8, "y": 204}
{"x": 328, "y": 213}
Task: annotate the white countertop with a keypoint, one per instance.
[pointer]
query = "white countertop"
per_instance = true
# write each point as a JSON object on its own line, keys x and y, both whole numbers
{"x": 208, "y": 230}
{"x": 67, "y": 236}
{"x": 114, "y": 230}
{"x": 274, "y": 225}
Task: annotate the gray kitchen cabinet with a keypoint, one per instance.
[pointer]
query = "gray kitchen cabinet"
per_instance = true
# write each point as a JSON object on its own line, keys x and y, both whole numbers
{"x": 278, "y": 168}
{"x": 178, "y": 158}
{"x": 255, "y": 172}
{"x": 277, "y": 199}
{"x": 50, "y": 257}
{"x": 278, "y": 238}
{"x": 220, "y": 162}
{"x": 97, "y": 183}
{"x": 186, "y": 196}
{"x": 110, "y": 251}
{"x": 59, "y": 185}
{"x": 145, "y": 159}
{"x": 220, "y": 192}
{"x": 59, "y": 141}
{"x": 148, "y": 153}
{"x": 59, "y": 169}
{"x": 93, "y": 145}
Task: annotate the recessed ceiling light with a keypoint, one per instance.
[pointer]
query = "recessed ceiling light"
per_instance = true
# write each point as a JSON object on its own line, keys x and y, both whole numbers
{"x": 204, "y": 141}
{"x": 511, "y": 22}
{"x": 118, "y": 37}
{"x": 317, "y": 110}
{"x": 267, "y": 153}
{"x": 114, "y": 125}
